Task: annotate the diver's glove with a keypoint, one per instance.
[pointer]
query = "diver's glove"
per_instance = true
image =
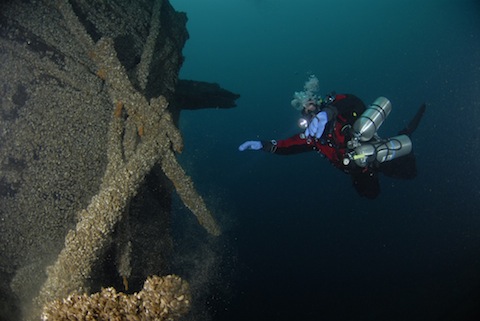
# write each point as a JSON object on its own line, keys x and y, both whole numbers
{"x": 251, "y": 144}
{"x": 317, "y": 125}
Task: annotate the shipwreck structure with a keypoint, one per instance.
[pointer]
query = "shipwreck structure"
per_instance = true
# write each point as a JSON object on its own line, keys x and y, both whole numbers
{"x": 90, "y": 99}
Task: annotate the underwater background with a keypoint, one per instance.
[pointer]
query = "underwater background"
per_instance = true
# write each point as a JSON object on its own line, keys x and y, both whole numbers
{"x": 299, "y": 243}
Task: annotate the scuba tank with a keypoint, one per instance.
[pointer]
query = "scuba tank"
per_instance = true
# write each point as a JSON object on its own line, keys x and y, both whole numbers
{"x": 366, "y": 126}
{"x": 366, "y": 147}
{"x": 380, "y": 151}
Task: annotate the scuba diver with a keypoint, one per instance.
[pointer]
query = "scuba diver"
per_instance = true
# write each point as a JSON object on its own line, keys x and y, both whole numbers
{"x": 343, "y": 130}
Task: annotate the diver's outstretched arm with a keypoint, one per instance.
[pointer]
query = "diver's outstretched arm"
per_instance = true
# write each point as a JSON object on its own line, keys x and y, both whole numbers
{"x": 414, "y": 122}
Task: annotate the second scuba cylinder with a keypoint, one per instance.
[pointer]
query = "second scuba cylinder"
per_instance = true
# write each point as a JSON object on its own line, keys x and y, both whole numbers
{"x": 382, "y": 151}
{"x": 372, "y": 118}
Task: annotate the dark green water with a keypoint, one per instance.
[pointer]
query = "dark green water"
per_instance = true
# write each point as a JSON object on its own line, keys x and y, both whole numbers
{"x": 303, "y": 245}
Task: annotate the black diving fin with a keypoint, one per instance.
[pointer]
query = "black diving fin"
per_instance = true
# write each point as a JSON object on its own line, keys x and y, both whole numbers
{"x": 414, "y": 122}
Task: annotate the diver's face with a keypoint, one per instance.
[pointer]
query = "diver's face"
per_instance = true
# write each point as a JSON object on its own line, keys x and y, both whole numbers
{"x": 309, "y": 107}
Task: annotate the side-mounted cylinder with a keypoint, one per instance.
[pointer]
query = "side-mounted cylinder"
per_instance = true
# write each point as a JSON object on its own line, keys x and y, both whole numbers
{"x": 382, "y": 151}
{"x": 372, "y": 118}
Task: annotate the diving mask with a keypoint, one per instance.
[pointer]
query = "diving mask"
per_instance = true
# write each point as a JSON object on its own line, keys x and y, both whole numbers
{"x": 312, "y": 107}
{"x": 309, "y": 111}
